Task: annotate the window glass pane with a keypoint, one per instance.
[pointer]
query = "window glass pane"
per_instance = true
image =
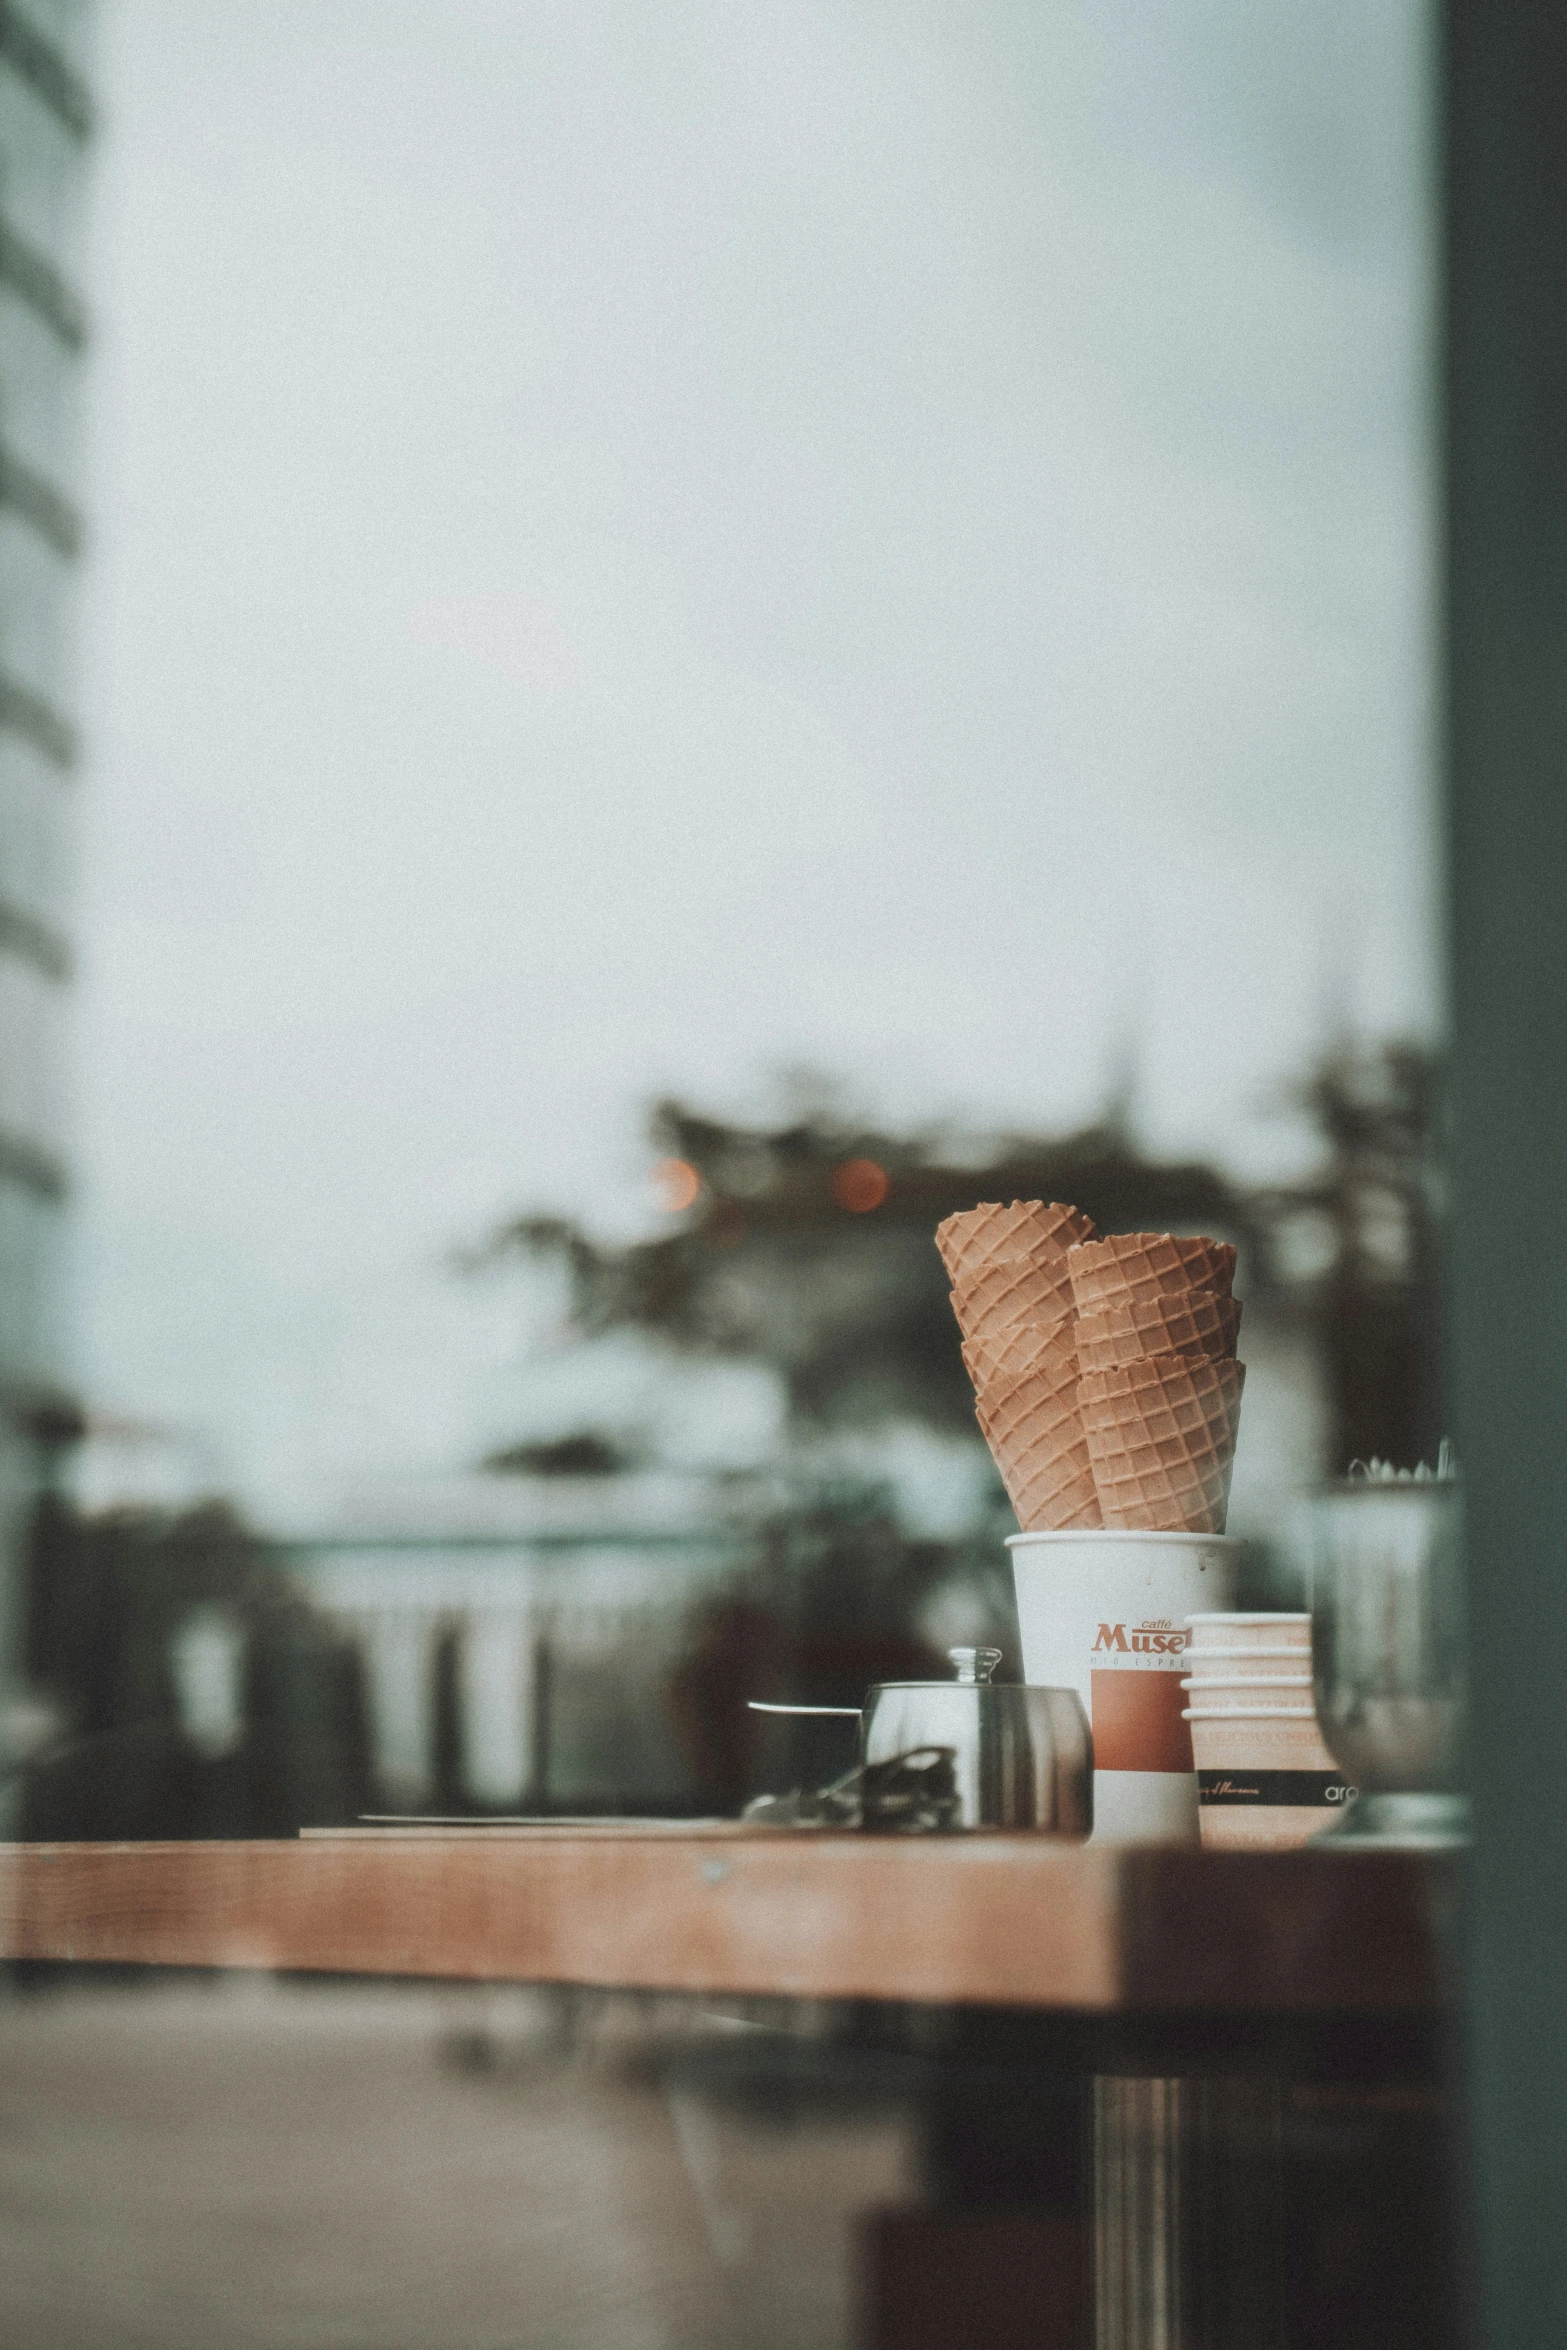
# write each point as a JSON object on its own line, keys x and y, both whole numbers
{"x": 686, "y": 642}
{"x": 37, "y": 825}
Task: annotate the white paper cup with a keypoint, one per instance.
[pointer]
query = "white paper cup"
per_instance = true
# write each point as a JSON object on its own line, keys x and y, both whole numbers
{"x": 1105, "y": 1613}
{"x": 1266, "y": 1781}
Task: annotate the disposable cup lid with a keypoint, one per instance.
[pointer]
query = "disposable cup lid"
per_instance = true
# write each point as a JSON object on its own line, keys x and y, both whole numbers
{"x": 1230, "y": 1662}
{"x": 1269, "y": 1616}
{"x": 1249, "y": 1713}
{"x": 1206, "y": 1655}
{"x": 1247, "y": 1681}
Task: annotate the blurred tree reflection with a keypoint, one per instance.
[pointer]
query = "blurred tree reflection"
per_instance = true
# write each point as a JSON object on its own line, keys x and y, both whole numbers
{"x": 1359, "y": 1246}
{"x": 808, "y": 1246}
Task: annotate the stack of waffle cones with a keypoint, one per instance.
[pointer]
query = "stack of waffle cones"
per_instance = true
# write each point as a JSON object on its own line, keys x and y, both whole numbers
{"x": 1012, "y": 1294}
{"x": 1160, "y": 1389}
{"x": 1104, "y": 1370}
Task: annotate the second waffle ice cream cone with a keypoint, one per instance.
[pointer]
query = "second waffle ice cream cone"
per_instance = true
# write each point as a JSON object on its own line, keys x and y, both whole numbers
{"x": 1179, "y": 1322}
{"x": 1132, "y": 1267}
{"x": 1160, "y": 1436}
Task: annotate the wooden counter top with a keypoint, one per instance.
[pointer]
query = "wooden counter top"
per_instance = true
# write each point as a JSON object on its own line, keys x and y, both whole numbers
{"x": 1010, "y": 1920}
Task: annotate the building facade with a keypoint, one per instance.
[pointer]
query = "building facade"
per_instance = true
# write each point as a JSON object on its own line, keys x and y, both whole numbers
{"x": 46, "y": 121}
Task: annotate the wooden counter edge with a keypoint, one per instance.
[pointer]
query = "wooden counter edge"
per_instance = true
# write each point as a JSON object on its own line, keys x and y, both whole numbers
{"x": 1003, "y": 1920}
{"x": 1008, "y": 1921}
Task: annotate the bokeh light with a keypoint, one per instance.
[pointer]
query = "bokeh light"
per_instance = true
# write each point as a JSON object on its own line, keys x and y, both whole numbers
{"x": 678, "y": 1185}
{"x": 859, "y": 1185}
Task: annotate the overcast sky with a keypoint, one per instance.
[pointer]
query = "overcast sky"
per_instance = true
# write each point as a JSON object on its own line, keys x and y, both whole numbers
{"x": 640, "y": 545}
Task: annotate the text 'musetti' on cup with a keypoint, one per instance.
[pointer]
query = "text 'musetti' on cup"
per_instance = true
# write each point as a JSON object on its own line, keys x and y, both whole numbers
{"x": 1105, "y": 1614}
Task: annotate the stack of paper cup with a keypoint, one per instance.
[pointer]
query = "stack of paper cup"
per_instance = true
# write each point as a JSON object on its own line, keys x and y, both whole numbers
{"x": 1264, "y": 1777}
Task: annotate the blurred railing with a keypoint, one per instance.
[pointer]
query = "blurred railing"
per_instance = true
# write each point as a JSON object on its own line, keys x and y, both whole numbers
{"x": 517, "y": 1673}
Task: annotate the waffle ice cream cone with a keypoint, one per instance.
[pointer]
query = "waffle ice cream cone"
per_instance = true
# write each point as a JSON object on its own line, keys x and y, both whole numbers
{"x": 1033, "y": 1429}
{"x": 1012, "y": 1294}
{"x": 1181, "y": 1322}
{"x": 1160, "y": 1436}
{"x": 1023, "y": 1228}
{"x": 1131, "y": 1267}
